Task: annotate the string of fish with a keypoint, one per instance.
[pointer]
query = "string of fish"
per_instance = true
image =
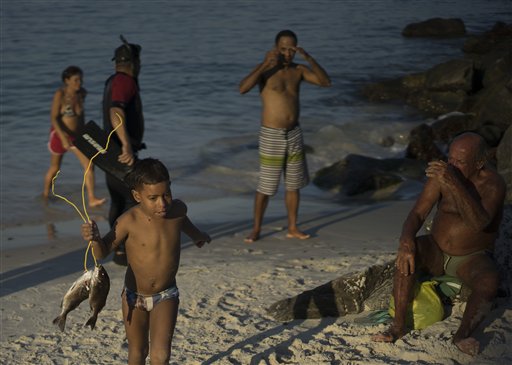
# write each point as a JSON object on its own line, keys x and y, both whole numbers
{"x": 85, "y": 216}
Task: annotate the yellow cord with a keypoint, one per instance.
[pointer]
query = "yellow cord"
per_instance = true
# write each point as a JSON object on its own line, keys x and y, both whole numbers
{"x": 86, "y": 218}
{"x": 63, "y": 198}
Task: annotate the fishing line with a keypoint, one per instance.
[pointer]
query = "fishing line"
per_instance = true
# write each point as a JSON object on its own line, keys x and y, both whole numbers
{"x": 86, "y": 218}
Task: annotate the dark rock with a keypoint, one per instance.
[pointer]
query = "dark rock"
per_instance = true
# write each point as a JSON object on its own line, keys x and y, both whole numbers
{"x": 450, "y": 76}
{"x": 448, "y": 126}
{"x": 344, "y": 295}
{"x": 422, "y": 145}
{"x": 439, "y": 90}
{"x": 503, "y": 249}
{"x": 434, "y": 103}
{"x": 436, "y": 27}
{"x": 358, "y": 174}
{"x": 493, "y": 105}
{"x": 497, "y": 70}
{"x": 489, "y": 40}
{"x": 491, "y": 133}
{"x": 385, "y": 90}
{"x": 387, "y": 141}
{"x": 504, "y": 164}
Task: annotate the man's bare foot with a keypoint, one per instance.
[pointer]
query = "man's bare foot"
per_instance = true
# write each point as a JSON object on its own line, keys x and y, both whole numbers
{"x": 390, "y": 335}
{"x": 253, "y": 237}
{"x": 96, "y": 202}
{"x": 468, "y": 345}
{"x": 297, "y": 234}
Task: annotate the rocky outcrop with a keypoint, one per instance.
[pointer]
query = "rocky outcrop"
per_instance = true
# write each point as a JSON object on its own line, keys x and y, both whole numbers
{"x": 358, "y": 174}
{"x": 352, "y": 293}
{"x": 478, "y": 84}
{"x": 436, "y": 27}
{"x": 503, "y": 251}
{"x": 504, "y": 162}
{"x": 473, "y": 93}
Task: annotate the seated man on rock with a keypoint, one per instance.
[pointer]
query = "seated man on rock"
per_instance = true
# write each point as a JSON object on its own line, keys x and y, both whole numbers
{"x": 469, "y": 196}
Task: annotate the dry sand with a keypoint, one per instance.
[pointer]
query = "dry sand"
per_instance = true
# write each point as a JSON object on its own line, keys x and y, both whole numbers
{"x": 225, "y": 288}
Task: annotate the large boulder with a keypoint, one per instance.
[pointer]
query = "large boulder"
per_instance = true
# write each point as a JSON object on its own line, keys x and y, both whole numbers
{"x": 441, "y": 89}
{"x": 387, "y": 90}
{"x": 449, "y": 125}
{"x": 352, "y": 293}
{"x": 422, "y": 145}
{"x": 493, "y": 104}
{"x": 450, "y": 76}
{"x": 504, "y": 162}
{"x": 436, "y": 27}
{"x": 357, "y": 174}
{"x": 489, "y": 41}
{"x": 503, "y": 251}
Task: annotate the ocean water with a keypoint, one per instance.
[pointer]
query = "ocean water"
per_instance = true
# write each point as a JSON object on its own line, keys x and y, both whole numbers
{"x": 194, "y": 53}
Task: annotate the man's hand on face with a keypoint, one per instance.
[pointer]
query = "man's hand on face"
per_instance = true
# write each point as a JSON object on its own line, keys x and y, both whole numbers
{"x": 273, "y": 57}
{"x": 443, "y": 172}
{"x": 301, "y": 51}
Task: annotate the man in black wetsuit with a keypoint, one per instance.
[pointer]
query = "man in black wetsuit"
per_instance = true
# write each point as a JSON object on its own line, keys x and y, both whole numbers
{"x": 122, "y": 104}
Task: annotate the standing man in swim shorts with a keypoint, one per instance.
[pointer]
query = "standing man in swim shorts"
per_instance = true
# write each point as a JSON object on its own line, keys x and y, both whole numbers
{"x": 281, "y": 146}
{"x": 469, "y": 196}
{"x": 121, "y": 99}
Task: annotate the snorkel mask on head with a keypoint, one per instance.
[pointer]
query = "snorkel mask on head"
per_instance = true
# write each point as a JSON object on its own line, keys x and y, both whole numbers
{"x": 127, "y": 52}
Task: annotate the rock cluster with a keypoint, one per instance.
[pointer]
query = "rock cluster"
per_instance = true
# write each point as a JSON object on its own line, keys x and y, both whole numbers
{"x": 472, "y": 93}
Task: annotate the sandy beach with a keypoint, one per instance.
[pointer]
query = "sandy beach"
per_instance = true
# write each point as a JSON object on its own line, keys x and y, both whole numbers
{"x": 225, "y": 289}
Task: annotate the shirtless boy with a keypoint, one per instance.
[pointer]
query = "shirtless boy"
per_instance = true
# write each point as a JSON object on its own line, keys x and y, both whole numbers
{"x": 151, "y": 233}
{"x": 280, "y": 142}
{"x": 469, "y": 196}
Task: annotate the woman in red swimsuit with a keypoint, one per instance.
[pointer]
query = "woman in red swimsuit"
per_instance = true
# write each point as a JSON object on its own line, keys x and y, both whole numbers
{"x": 67, "y": 116}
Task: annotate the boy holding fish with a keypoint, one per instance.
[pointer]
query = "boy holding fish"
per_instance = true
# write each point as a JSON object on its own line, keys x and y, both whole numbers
{"x": 151, "y": 234}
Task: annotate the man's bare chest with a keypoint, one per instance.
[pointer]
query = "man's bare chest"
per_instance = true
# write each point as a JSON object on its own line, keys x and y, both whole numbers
{"x": 285, "y": 81}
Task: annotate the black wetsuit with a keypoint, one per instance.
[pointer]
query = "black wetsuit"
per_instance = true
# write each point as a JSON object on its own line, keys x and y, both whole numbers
{"x": 122, "y": 91}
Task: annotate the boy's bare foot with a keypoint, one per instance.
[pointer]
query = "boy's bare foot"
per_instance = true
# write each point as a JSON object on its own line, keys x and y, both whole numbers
{"x": 390, "y": 335}
{"x": 253, "y": 237}
{"x": 468, "y": 345}
{"x": 297, "y": 234}
{"x": 96, "y": 202}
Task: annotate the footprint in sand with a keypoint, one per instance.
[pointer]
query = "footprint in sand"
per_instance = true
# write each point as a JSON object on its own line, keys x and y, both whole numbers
{"x": 228, "y": 325}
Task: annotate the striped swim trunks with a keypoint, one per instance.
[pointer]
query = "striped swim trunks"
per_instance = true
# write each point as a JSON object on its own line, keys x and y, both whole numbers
{"x": 281, "y": 151}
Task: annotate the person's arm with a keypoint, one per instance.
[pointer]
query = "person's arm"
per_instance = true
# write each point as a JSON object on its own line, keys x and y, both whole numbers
{"x": 254, "y": 78}
{"x": 316, "y": 75}
{"x": 103, "y": 246}
{"x": 54, "y": 115}
{"x": 199, "y": 237}
{"x": 117, "y": 116}
{"x": 412, "y": 224}
{"x": 477, "y": 212}
{"x": 179, "y": 210}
